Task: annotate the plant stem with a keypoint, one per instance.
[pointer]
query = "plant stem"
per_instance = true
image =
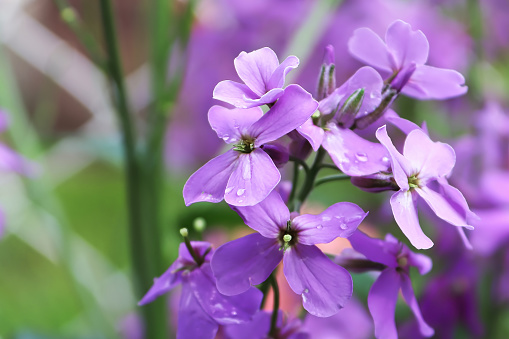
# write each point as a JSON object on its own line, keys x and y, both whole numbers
{"x": 310, "y": 179}
{"x": 144, "y": 252}
{"x": 275, "y": 308}
{"x": 331, "y": 178}
{"x": 300, "y": 162}
{"x": 295, "y": 181}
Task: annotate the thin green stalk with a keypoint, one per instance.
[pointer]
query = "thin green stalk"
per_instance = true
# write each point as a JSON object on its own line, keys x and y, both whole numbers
{"x": 309, "y": 183}
{"x": 300, "y": 162}
{"x": 330, "y": 178}
{"x": 295, "y": 181}
{"x": 143, "y": 249}
{"x": 70, "y": 17}
{"x": 331, "y": 166}
{"x": 275, "y": 308}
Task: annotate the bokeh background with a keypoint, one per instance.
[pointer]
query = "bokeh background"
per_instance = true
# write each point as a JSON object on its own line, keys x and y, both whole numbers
{"x": 65, "y": 267}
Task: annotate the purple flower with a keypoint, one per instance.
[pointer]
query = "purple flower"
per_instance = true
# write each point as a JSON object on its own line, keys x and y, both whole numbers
{"x": 246, "y": 174}
{"x": 402, "y": 59}
{"x": 263, "y": 78}
{"x": 352, "y": 154}
{"x": 325, "y": 287}
{"x": 202, "y": 308}
{"x": 421, "y": 171}
{"x": 382, "y": 298}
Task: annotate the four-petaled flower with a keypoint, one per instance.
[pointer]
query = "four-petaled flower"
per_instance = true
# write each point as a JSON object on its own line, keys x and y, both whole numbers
{"x": 202, "y": 308}
{"x": 422, "y": 171}
{"x": 263, "y": 78}
{"x": 325, "y": 287}
{"x": 401, "y": 58}
{"x": 246, "y": 174}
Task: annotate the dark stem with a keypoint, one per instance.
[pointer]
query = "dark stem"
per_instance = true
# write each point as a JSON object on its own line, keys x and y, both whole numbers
{"x": 310, "y": 179}
{"x": 300, "y": 162}
{"x": 295, "y": 181}
{"x": 197, "y": 259}
{"x": 329, "y": 178}
{"x": 331, "y": 166}
{"x": 275, "y": 308}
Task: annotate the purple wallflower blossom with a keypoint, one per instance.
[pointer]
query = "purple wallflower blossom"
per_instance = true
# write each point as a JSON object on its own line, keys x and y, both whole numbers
{"x": 246, "y": 174}
{"x": 382, "y": 298}
{"x": 263, "y": 78}
{"x": 352, "y": 154}
{"x": 421, "y": 171}
{"x": 325, "y": 287}
{"x": 202, "y": 308}
{"x": 402, "y": 59}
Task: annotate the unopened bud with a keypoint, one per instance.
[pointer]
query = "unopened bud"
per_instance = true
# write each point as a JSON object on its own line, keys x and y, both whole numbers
{"x": 199, "y": 224}
{"x": 327, "y": 79}
{"x": 348, "y": 112}
{"x": 68, "y": 14}
{"x": 378, "y": 182}
{"x": 184, "y": 232}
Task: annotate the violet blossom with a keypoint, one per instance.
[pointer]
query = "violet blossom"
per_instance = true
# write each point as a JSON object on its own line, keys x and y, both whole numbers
{"x": 357, "y": 97}
{"x": 263, "y": 79}
{"x": 422, "y": 171}
{"x": 402, "y": 58}
{"x": 202, "y": 308}
{"x": 324, "y": 286}
{"x": 246, "y": 174}
{"x": 395, "y": 260}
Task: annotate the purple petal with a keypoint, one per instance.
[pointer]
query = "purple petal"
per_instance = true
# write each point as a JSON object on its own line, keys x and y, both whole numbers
{"x": 325, "y": 287}
{"x": 243, "y": 262}
{"x": 268, "y": 217}
{"x": 268, "y": 98}
{"x": 278, "y": 152}
{"x": 209, "y": 182}
{"x": 253, "y": 178}
{"x": 199, "y": 247}
{"x": 404, "y": 125}
{"x": 256, "y": 329}
{"x": 435, "y": 83}
{"x": 406, "y": 45}
{"x": 231, "y": 124}
{"x": 352, "y": 154}
{"x": 382, "y": 300}
{"x": 193, "y": 321}
{"x": 442, "y": 208}
{"x": 422, "y": 262}
{"x": 456, "y": 200}
{"x": 339, "y": 220}
{"x": 368, "y": 47}
{"x": 401, "y": 167}
{"x": 13, "y": 162}
{"x": 408, "y": 294}
{"x": 277, "y": 80}
{"x": 429, "y": 159}
{"x": 312, "y": 133}
{"x": 496, "y": 183}
{"x": 375, "y": 250}
{"x": 492, "y": 232}
{"x": 256, "y": 68}
{"x": 225, "y": 310}
{"x": 234, "y": 93}
{"x": 289, "y": 112}
{"x": 404, "y": 208}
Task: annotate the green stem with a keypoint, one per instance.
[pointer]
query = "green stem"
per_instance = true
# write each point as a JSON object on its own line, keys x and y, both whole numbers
{"x": 330, "y": 178}
{"x": 70, "y": 17}
{"x": 310, "y": 179}
{"x": 144, "y": 251}
{"x": 331, "y": 166}
{"x": 300, "y": 162}
{"x": 275, "y": 308}
{"x": 295, "y": 181}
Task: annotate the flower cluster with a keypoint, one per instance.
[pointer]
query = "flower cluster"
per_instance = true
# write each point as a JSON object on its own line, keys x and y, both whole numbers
{"x": 349, "y": 123}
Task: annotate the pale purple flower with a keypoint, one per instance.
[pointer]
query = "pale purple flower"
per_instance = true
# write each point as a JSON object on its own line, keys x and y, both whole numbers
{"x": 246, "y": 174}
{"x": 397, "y": 259}
{"x": 402, "y": 58}
{"x": 422, "y": 171}
{"x": 202, "y": 308}
{"x": 263, "y": 79}
{"x": 352, "y": 154}
{"x": 324, "y": 286}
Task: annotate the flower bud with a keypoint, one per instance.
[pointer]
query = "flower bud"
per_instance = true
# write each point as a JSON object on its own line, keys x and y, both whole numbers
{"x": 377, "y": 182}
{"x": 346, "y": 115}
{"x": 327, "y": 80}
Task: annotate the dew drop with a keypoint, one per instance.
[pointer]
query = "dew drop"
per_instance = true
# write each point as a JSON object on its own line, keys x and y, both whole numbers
{"x": 343, "y": 226}
{"x": 240, "y": 191}
{"x": 354, "y": 218}
{"x": 306, "y": 291}
{"x": 319, "y": 227}
{"x": 326, "y": 218}
{"x": 385, "y": 159}
{"x": 234, "y": 313}
{"x": 361, "y": 156}
{"x": 228, "y": 190}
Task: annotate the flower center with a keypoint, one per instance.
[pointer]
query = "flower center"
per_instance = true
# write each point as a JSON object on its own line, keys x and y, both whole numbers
{"x": 414, "y": 181}
{"x": 246, "y": 145}
{"x": 287, "y": 237}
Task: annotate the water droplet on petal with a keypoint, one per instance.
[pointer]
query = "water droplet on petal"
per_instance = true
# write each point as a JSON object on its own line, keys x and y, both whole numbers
{"x": 228, "y": 190}
{"x": 385, "y": 159}
{"x": 319, "y": 227}
{"x": 343, "y": 226}
{"x": 234, "y": 313}
{"x": 240, "y": 191}
{"x": 306, "y": 291}
{"x": 361, "y": 156}
{"x": 326, "y": 218}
